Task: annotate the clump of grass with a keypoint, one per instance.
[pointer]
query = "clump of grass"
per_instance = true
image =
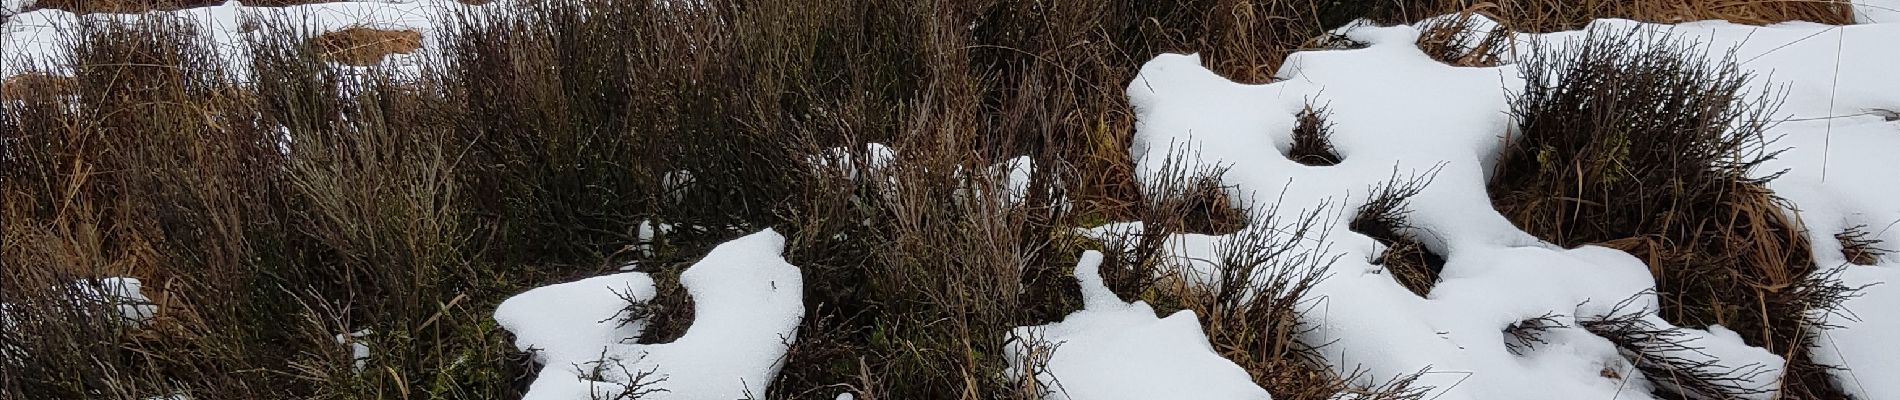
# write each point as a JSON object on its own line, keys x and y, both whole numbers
{"x": 363, "y": 46}
{"x": 183, "y": 218}
{"x": 1312, "y": 138}
{"x": 1634, "y": 142}
{"x": 1261, "y": 289}
{"x": 1253, "y": 310}
{"x": 1523, "y": 336}
{"x": 1455, "y": 41}
{"x": 1670, "y": 357}
{"x": 22, "y": 87}
{"x": 1861, "y": 247}
{"x": 1557, "y": 15}
{"x": 1383, "y": 218}
{"x": 668, "y": 313}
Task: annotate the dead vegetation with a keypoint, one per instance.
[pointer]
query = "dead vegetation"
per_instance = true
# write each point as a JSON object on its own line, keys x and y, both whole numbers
{"x": 24, "y": 86}
{"x": 1458, "y": 40}
{"x": 1312, "y": 138}
{"x": 1632, "y": 142}
{"x": 1556, "y": 15}
{"x": 1254, "y": 303}
{"x": 1383, "y": 218}
{"x": 268, "y": 218}
{"x": 363, "y": 46}
{"x": 1671, "y": 358}
{"x": 1861, "y": 247}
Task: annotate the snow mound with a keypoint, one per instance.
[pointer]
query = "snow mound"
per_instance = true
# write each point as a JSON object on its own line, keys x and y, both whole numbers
{"x": 1116, "y": 350}
{"x": 747, "y": 307}
{"x": 1840, "y": 130}
{"x": 1449, "y": 123}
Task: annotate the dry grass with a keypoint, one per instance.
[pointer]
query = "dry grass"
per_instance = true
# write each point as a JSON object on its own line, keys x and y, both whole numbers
{"x": 1453, "y": 41}
{"x": 1599, "y": 162}
{"x": 271, "y": 216}
{"x": 23, "y": 86}
{"x": 1861, "y": 247}
{"x": 1556, "y": 15}
{"x": 1312, "y": 138}
{"x": 1383, "y": 218}
{"x": 363, "y": 46}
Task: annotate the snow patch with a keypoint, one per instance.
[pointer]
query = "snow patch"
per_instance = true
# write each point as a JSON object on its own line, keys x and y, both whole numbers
{"x": 1117, "y": 350}
{"x": 747, "y": 307}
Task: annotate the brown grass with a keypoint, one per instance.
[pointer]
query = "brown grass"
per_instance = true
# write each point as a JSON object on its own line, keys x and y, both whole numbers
{"x": 1597, "y": 163}
{"x": 1556, "y": 15}
{"x": 1384, "y": 218}
{"x": 1861, "y": 247}
{"x": 22, "y": 86}
{"x": 1312, "y": 138}
{"x": 363, "y": 46}
{"x": 1453, "y": 41}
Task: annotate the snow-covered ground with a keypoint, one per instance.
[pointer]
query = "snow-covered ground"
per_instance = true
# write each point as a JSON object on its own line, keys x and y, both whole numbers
{"x": 1396, "y": 111}
{"x": 747, "y": 304}
{"x": 1117, "y": 350}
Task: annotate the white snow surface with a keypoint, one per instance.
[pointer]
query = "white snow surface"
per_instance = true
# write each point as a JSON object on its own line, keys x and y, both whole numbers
{"x": 125, "y": 295}
{"x": 1876, "y": 11}
{"x": 1117, "y": 350}
{"x": 747, "y": 304}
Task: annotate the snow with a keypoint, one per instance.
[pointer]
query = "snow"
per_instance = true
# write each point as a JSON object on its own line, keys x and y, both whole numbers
{"x": 124, "y": 295}
{"x": 359, "y": 349}
{"x": 1449, "y": 123}
{"x": 747, "y": 304}
{"x": 1117, "y": 350}
{"x": 1448, "y": 119}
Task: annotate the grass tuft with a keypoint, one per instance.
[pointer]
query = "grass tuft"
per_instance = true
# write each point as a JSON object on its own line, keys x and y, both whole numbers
{"x": 1634, "y": 142}
{"x": 362, "y": 46}
{"x": 1312, "y": 138}
{"x": 1861, "y": 247}
{"x": 1455, "y": 41}
{"x": 1383, "y": 218}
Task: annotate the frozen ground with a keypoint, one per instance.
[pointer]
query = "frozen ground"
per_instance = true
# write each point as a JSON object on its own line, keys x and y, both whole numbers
{"x": 1397, "y": 112}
